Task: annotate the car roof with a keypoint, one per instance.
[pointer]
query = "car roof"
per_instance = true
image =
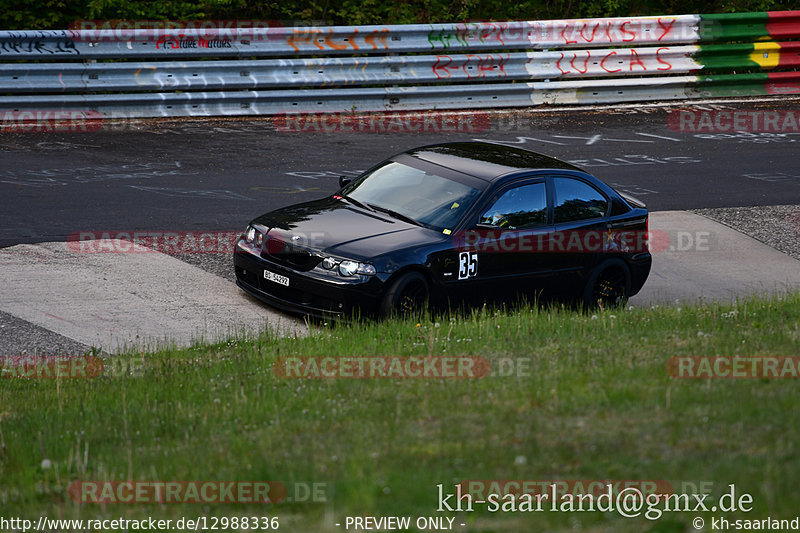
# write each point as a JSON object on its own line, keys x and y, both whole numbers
{"x": 488, "y": 161}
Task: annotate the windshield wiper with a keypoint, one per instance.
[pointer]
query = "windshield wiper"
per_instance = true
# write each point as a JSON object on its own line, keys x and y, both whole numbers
{"x": 353, "y": 201}
{"x": 395, "y": 214}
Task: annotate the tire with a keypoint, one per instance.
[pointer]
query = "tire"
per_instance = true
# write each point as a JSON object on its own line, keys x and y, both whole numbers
{"x": 408, "y": 295}
{"x": 608, "y": 286}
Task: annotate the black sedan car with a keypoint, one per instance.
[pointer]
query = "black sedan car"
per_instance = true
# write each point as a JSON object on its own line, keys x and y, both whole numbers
{"x": 448, "y": 225}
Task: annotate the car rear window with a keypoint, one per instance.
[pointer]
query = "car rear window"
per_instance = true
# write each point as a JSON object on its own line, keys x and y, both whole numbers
{"x": 576, "y": 200}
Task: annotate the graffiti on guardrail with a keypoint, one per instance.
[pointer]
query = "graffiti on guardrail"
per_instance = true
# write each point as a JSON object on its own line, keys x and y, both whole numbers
{"x": 319, "y": 39}
{"x": 373, "y": 69}
{"x": 472, "y": 65}
{"x": 31, "y": 42}
{"x": 566, "y": 32}
{"x": 613, "y": 61}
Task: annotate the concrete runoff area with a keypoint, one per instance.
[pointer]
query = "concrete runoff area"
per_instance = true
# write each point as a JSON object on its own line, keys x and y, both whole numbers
{"x": 705, "y": 261}
{"x": 115, "y": 301}
{"x": 118, "y": 301}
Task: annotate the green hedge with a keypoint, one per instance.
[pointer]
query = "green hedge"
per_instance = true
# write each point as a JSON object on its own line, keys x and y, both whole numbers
{"x": 57, "y": 14}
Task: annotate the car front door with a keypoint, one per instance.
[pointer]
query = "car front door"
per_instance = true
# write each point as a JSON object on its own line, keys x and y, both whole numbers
{"x": 505, "y": 242}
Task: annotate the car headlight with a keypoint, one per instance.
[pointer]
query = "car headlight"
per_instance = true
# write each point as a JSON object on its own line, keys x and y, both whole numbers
{"x": 253, "y": 236}
{"x": 348, "y": 268}
{"x": 367, "y": 270}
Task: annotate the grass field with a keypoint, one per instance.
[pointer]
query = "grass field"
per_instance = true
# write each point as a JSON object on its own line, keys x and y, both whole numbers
{"x": 571, "y": 396}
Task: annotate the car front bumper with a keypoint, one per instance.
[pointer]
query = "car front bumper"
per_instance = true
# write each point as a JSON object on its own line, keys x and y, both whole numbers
{"x": 322, "y": 295}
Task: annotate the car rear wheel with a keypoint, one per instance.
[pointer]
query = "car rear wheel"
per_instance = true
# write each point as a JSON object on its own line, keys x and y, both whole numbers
{"x": 608, "y": 286}
{"x": 408, "y": 295}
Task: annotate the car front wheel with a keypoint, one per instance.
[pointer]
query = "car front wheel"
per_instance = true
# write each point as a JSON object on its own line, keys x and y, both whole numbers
{"x": 408, "y": 295}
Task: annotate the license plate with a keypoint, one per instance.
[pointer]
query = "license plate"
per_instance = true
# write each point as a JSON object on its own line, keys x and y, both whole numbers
{"x": 277, "y": 278}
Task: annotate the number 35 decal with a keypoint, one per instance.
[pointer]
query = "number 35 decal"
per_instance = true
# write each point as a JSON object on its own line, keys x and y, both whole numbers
{"x": 467, "y": 265}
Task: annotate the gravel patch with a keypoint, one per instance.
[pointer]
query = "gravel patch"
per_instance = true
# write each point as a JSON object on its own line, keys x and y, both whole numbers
{"x": 219, "y": 264}
{"x": 777, "y": 226}
{"x": 20, "y": 337}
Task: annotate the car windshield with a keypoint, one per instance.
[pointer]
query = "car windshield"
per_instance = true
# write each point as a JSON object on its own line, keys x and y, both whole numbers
{"x": 426, "y": 198}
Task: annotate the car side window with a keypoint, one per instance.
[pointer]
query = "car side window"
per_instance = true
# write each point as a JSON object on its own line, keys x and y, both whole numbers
{"x": 521, "y": 207}
{"x": 576, "y": 200}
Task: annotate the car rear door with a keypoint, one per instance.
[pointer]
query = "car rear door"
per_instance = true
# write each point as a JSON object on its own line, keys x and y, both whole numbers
{"x": 580, "y": 223}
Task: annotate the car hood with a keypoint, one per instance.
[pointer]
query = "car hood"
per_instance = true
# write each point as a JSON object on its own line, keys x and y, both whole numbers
{"x": 335, "y": 227}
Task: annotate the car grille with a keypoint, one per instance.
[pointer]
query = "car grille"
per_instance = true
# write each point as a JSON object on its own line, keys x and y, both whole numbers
{"x": 278, "y": 250}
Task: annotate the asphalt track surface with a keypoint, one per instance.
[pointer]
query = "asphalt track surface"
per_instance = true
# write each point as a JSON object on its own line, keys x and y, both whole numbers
{"x": 218, "y": 174}
{"x": 215, "y": 175}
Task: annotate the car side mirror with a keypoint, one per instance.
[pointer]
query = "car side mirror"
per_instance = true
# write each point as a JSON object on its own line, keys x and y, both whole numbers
{"x": 482, "y": 225}
{"x": 344, "y": 180}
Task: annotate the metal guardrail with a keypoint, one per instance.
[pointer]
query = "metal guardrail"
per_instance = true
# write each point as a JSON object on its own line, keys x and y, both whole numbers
{"x": 330, "y": 72}
{"x": 358, "y": 68}
{"x": 410, "y": 98}
{"x": 344, "y": 40}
